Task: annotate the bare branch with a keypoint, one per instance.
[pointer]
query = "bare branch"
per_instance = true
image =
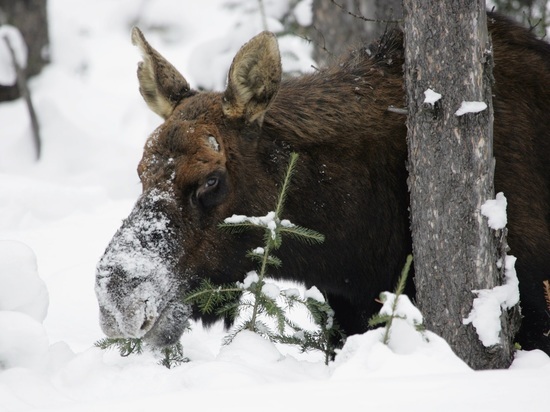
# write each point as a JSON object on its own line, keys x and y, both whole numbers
{"x": 25, "y": 93}
{"x": 397, "y": 110}
{"x": 361, "y": 17}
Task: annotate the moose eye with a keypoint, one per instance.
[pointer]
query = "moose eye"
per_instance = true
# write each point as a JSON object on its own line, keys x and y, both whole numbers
{"x": 212, "y": 191}
{"x": 211, "y": 182}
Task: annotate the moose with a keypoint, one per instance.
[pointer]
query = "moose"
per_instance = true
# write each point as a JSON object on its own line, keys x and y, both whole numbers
{"x": 222, "y": 153}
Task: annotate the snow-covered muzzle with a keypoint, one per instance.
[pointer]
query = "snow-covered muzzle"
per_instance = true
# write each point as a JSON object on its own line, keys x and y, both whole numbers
{"x": 137, "y": 287}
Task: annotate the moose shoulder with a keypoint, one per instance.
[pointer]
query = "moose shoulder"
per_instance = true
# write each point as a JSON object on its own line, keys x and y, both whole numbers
{"x": 219, "y": 154}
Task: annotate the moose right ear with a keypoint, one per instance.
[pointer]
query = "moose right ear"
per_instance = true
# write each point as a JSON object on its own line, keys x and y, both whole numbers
{"x": 254, "y": 79}
{"x": 160, "y": 84}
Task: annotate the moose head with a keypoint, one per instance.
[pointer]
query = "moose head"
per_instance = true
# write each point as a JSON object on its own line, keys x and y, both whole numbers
{"x": 193, "y": 177}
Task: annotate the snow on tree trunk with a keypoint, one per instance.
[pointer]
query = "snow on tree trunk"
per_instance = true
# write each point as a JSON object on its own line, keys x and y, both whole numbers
{"x": 451, "y": 166}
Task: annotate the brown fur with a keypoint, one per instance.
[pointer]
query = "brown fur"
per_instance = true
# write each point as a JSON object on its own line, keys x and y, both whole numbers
{"x": 351, "y": 180}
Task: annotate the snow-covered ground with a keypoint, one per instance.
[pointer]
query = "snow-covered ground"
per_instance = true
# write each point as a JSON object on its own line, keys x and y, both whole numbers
{"x": 57, "y": 216}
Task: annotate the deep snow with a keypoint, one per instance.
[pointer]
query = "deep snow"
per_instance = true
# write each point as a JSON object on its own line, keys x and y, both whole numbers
{"x": 57, "y": 217}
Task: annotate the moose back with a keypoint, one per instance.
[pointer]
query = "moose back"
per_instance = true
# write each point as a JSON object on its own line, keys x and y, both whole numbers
{"x": 224, "y": 153}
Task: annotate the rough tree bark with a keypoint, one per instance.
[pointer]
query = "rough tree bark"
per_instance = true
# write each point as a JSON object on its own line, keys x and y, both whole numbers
{"x": 451, "y": 168}
{"x": 336, "y": 30}
{"x": 30, "y": 17}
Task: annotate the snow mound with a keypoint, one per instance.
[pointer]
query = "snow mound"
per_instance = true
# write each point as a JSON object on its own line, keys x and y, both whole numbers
{"x": 249, "y": 348}
{"x": 21, "y": 290}
{"x": 23, "y": 307}
{"x": 23, "y": 341}
{"x": 365, "y": 355}
{"x": 408, "y": 352}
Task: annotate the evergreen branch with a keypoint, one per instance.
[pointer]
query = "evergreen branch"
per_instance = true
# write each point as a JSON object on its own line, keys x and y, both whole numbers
{"x": 230, "y": 309}
{"x": 378, "y": 319}
{"x": 273, "y": 310}
{"x": 271, "y": 259}
{"x": 125, "y": 346}
{"x": 303, "y": 234}
{"x": 172, "y": 356}
{"x": 402, "y": 282}
{"x": 236, "y": 228}
{"x": 286, "y": 183}
{"x": 272, "y": 239}
{"x": 209, "y": 297}
{"x": 399, "y": 289}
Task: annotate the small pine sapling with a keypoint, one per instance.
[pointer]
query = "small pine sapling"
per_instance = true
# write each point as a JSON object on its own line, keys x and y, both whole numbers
{"x": 388, "y": 317}
{"x": 328, "y": 335}
{"x": 261, "y": 298}
{"x": 125, "y": 346}
{"x": 172, "y": 356}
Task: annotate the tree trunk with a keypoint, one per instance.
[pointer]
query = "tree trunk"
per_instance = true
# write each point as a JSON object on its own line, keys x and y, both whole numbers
{"x": 30, "y": 17}
{"x": 451, "y": 168}
{"x": 341, "y": 25}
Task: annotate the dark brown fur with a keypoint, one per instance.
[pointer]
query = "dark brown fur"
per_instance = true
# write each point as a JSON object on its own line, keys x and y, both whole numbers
{"x": 351, "y": 181}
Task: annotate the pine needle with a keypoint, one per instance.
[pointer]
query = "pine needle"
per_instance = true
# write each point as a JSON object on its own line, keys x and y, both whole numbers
{"x": 308, "y": 236}
{"x": 125, "y": 346}
{"x": 402, "y": 282}
{"x": 286, "y": 183}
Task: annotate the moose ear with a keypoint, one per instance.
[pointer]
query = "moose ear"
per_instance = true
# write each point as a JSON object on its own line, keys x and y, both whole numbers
{"x": 160, "y": 84}
{"x": 254, "y": 79}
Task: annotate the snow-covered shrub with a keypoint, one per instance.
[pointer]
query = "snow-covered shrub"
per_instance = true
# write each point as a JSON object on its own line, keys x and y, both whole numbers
{"x": 404, "y": 323}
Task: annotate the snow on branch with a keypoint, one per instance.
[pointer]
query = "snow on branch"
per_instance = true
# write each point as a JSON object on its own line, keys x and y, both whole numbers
{"x": 11, "y": 44}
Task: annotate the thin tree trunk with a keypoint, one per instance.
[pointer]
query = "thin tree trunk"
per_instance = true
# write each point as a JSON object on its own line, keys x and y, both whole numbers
{"x": 451, "y": 168}
{"x": 26, "y": 94}
{"x": 30, "y": 17}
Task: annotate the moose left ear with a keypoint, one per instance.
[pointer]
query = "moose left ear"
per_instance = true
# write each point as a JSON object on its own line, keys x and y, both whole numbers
{"x": 254, "y": 79}
{"x": 160, "y": 84}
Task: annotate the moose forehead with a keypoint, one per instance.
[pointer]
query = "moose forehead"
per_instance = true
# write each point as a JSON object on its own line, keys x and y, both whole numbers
{"x": 187, "y": 150}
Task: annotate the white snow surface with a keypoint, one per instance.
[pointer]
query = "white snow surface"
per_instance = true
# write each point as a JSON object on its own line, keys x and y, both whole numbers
{"x": 58, "y": 215}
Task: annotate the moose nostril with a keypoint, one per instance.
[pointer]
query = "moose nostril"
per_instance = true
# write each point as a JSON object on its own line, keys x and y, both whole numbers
{"x": 149, "y": 320}
{"x": 146, "y": 325}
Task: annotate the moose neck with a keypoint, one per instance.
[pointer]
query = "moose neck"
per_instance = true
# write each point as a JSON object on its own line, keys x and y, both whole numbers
{"x": 352, "y": 153}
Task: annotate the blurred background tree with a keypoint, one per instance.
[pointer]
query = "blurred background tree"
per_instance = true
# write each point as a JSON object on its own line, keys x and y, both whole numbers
{"x": 30, "y": 17}
{"x": 339, "y": 25}
{"x": 531, "y": 13}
